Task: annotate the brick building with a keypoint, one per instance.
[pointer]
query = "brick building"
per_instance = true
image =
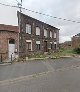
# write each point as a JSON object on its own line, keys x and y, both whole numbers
{"x": 76, "y": 41}
{"x": 66, "y": 45}
{"x": 36, "y": 36}
{"x": 8, "y": 40}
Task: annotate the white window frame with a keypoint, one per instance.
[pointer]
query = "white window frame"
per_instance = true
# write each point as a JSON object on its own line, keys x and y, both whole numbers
{"x": 55, "y": 35}
{"x": 51, "y": 34}
{"x": 37, "y": 31}
{"x": 31, "y": 43}
{"x": 28, "y": 28}
{"x": 55, "y": 43}
{"x": 38, "y": 43}
{"x": 51, "y": 44}
{"x": 45, "y": 32}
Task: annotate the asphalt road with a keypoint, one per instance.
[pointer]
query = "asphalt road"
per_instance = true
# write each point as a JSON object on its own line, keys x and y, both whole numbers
{"x": 61, "y": 75}
{"x": 21, "y": 69}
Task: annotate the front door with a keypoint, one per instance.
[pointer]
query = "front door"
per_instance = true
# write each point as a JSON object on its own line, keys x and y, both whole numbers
{"x": 45, "y": 46}
{"x": 11, "y": 48}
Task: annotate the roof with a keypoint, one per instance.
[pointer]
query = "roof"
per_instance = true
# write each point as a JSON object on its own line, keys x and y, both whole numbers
{"x": 36, "y": 20}
{"x": 8, "y": 28}
{"x": 78, "y": 34}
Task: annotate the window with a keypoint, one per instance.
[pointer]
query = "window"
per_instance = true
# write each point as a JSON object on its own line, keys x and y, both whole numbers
{"x": 54, "y": 35}
{"x": 51, "y": 46}
{"x": 55, "y": 45}
{"x": 28, "y": 28}
{"x": 45, "y": 32}
{"x": 37, "y": 31}
{"x": 50, "y": 34}
{"x": 0, "y": 44}
{"x": 29, "y": 45}
{"x": 38, "y": 45}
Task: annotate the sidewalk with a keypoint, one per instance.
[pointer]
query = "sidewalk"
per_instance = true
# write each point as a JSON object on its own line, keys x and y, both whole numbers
{"x": 5, "y": 62}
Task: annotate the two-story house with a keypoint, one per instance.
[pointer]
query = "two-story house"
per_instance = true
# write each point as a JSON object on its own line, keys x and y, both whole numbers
{"x": 36, "y": 36}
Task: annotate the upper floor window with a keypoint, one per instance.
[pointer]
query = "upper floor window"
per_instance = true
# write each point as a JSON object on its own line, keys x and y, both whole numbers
{"x": 54, "y": 35}
{"x": 45, "y": 32}
{"x": 37, "y": 31}
{"x": 28, "y": 28}
{"x": 50, "y": 34}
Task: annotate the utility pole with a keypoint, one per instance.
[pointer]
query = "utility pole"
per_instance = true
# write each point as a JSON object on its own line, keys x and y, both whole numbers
{"x": 19, "y": 23}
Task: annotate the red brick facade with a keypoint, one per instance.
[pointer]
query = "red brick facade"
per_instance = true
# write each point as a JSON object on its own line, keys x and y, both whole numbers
{"x": 76, "y": 41}
{"x": 66, "y": 45}
{"x": 7, "y": 32}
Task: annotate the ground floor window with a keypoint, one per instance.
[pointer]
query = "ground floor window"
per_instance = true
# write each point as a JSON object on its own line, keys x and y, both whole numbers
{"x": 38, "y": 45}
{"x": 0, "y": 44}
{"x": 55, "y": 45}
{"x": 51, "y": 46}
{"x": 29, "y": 45}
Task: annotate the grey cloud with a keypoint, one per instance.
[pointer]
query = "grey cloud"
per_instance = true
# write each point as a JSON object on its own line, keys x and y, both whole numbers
{"x": 69, "y": 9}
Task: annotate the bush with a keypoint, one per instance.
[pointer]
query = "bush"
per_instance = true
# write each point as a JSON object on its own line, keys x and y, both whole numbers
{"x": 77, "y": 50}
{"x": 39, "y": 56}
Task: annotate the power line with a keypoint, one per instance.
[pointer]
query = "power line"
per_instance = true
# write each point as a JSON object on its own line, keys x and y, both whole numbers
{"x": 9, "y": 5}
{"x": 17, "y": 1}
{"x": 41, "y": 13}
{"x": 50, "y": 16}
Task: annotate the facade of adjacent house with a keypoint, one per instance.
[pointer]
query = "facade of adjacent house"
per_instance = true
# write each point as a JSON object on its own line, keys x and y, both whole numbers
{"x": 8, "y": 40}
{"x": 66, "y": 45}
{"x": 36, "y": 36}
{"x": 76, "y": 41}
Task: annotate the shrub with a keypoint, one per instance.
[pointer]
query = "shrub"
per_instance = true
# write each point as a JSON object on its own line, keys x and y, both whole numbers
{"x": 77, "y": 50}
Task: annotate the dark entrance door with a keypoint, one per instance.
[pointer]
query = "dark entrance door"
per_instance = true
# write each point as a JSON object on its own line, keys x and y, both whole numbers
{"x": 45, "y": 46}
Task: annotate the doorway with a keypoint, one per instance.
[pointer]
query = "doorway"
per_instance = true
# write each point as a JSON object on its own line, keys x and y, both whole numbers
{"x": 45, "y": 46}
{"x": 11, "y": 48}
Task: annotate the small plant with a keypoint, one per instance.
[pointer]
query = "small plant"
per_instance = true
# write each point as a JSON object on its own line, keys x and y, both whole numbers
{"x": 77, "y": 50}
{"x": 39, "y": 56}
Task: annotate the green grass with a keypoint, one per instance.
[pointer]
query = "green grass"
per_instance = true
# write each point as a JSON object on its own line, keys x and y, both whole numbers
{"x": 66, "y": 52}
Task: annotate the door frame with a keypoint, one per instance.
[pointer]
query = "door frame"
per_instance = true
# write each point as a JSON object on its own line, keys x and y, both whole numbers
{"x": 45, "y": 46}
{"x": 8, "y": 46}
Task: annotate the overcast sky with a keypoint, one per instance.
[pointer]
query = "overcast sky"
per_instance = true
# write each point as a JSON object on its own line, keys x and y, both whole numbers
{"x": 69, "y": 9}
